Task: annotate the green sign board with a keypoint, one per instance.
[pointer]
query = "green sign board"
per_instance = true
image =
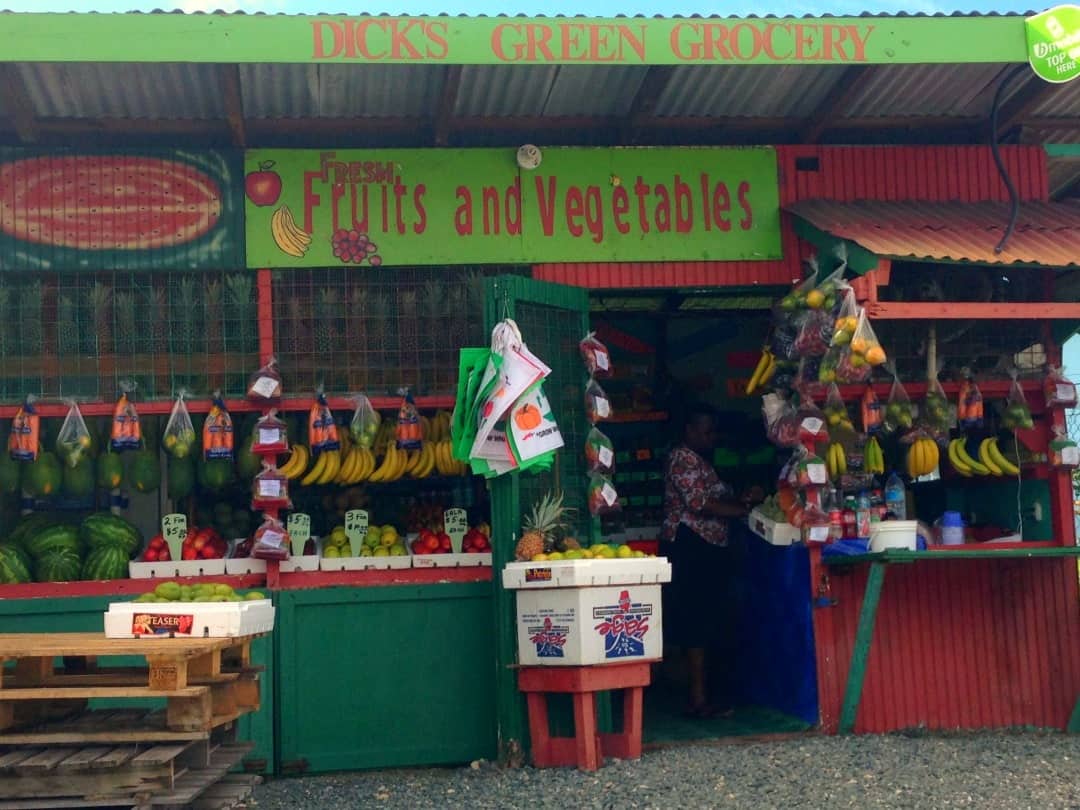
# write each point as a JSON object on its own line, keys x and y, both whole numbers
{"x": 368, "y": 208}
{"x": 1053, "y": 39}
{"x": 233, "y": 38}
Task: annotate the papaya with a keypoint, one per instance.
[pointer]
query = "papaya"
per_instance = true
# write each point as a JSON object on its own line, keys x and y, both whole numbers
{"x": 216, "y": 474}
{"x": 78, "y": 481}
{"x": 10, "y": 474}
{"x": 145, "y": 471}
{"x": 42, "y": 477}
{"x": 110, "y": 470}
{"x": 181, "y": 477}
{"x": 248, "y": 465}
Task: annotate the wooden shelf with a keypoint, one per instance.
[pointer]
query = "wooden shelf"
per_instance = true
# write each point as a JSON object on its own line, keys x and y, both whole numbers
{"x": 632, "y": 417}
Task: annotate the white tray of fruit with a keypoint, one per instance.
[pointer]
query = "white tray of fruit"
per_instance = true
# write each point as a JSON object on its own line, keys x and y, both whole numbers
{"x": 203, "y": 554}
{"x": 242, "y": 563}
{"x": 203, "y": 610}
{"x": 431, "y": 549}
{"x": 383, "y": 548}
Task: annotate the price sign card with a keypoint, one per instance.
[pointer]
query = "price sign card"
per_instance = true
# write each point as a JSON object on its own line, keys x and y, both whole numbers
{"x": 456, "y": 524}
{"x": 356, "y": 526}
{"x": 174, "y": 530}
{"x": 299, "y": 528}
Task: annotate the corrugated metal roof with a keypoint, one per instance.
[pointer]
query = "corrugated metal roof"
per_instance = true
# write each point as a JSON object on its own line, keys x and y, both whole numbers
{"x": 100, "y": 90}
{"x": 551, "y": 90}
{"x": 1045, "y": 233}
{"x": 1063, "y": 101}
{"x": 765, "y": 91}
{"x": 930, "y": 90}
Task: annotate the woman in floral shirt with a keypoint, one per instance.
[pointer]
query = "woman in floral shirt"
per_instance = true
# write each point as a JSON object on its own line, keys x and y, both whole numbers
{"x": 698, "y": 507}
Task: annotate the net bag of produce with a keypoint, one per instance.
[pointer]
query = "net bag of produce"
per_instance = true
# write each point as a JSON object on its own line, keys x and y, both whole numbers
{"x": 899, "y": 412}
{"x": 969, "y": 403}
{"x": 865, "y": 343}
{"x": 871, "y": 411}
{"x": 265, "y": 384}
{"x": 935, "y": 417}
{"x": 73, "y": 440}
{"x": 1017, "y": 414}
{"x": 179, "y": 436}
{"x": 218, "y": 431}
{"x": 781, "y": 420}
{"x": 1058, "y": 390}
{"x": 836, "y": 414}
{"x": 365, "y": 422}
{"x": 847, "y": 318}
{"x": 597, "y": 404}
{"x": 595, "y": 355}
{"x": 25, "y": 431}
{"x": 602, "y": 497}
{"x": 271, "y": 540}
{"x": 599, "y": 453}
{"x": 322, "y": 430}
{"x": 126, "y": 431}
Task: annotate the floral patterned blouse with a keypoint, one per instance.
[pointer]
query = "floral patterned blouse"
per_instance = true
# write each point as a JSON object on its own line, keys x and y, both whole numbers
{"x": 689, "y": 482}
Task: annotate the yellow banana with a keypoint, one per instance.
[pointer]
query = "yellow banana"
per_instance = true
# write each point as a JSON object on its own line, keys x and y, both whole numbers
{"x": 284, "y": 236}
{"x": 426, "y": 462}
{"x": 975, "y": 466}
{"x": 769, "y": 370}
{"x": 296, "y": 464}
{"x": 411, "y": 459}
{"x": 447, "y": 466}
{"x": 333, "y": 464}
{"x": 999, "y": 458}
{"x": 984, "y": 458}
{"x": 369, "y": 465}
{"x": 954, "y": 459}
{"x": 379, "y": 473}
{"x": 316, "y": 472}
{"x": 759, "y": 371}
{"x": 426, "y": 428}
{"x": 349, "y": 467}
{"x": 298, "y": 234}
{"x": 933, "y": 456}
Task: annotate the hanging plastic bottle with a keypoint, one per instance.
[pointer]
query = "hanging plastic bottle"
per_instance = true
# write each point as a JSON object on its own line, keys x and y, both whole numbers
{"x": 895, "y": 497}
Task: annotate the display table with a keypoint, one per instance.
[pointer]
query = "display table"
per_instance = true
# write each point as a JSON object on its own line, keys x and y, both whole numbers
{"x": 879, "y": 562}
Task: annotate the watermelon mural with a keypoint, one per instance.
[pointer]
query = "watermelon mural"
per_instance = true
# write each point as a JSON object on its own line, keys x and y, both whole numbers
{"x": 131, "y": 210}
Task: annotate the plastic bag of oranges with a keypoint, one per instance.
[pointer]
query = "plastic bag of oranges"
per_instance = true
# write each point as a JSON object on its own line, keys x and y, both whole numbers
{"x": 865, "y": 344}
{"x": 847, "y": 319}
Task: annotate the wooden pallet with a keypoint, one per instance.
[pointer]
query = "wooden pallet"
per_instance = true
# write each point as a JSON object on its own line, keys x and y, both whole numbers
{"x": 103, "y": 727}
{"x": 204, "y": 682}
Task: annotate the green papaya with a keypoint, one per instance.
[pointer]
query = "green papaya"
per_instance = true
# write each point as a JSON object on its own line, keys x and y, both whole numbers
{"x": 248, "y": 465}
{"x": 181, "y": 477}
{"x": 10, "y": 473}
{"x": 43, "y": 476}
{"x": 145, "y": 471}
{"x": 79, "y": 480}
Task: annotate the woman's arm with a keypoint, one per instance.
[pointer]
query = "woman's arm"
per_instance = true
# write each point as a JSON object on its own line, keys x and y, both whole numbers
{"x": 725, "y": 508}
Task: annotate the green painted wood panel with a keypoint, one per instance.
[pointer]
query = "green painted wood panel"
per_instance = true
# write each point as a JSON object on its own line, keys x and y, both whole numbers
{"x": 385, "y": 676}
{"x": 84, "y": 615}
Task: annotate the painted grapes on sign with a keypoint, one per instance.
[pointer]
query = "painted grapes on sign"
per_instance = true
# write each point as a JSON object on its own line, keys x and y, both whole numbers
{"x": 129, "y": 210}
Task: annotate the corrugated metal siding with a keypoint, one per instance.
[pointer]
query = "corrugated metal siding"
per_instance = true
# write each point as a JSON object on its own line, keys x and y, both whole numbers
{"x": 961, "y": 173}
{"x": 339, "y": 91}
{"x": 787, "y": 91}
{"x": 1063, "y": 102}
{"x": 552, "y": 90}
{"x": 927, "y": 90}
{"x": 98, "y": 90}
{"x": 958, "y": 644}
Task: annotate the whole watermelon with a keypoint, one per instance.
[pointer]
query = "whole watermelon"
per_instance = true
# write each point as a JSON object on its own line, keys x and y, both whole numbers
{"x": 109, "y": 562}
{"x": 106, "y": 530}
{"x": 54, "y": 538}
{"x": 28, "y": 527}
{"x": 12, "y": 567}
{"x": 20, "y": 552}
{"x": 61, "y": 565}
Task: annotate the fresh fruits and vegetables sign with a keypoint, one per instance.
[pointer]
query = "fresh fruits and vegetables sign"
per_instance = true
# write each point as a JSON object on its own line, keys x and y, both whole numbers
{"x": 129, "y": 210}
{"x": 311, "y": 208}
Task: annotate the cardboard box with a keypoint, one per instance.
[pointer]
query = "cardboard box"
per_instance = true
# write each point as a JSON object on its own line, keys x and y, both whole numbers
{"x": 586, "y": 573}
{"x": 198, "y": 619}
{"x": 769, "y": 530}
{"x": 584, "y": 626}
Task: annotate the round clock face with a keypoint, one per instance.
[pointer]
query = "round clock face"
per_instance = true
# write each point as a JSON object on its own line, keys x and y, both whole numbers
{"x": 528, "y": 156}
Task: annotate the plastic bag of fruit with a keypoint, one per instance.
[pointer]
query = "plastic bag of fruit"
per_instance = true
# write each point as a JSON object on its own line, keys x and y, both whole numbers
{"x": 969, "y": 403}
{"x": 271, "y": 540}
{"x": 322, "y": 430}
{"x": 871, "y": 411}
{"x": 847, "y": 319}
{"x": 851, "y": 368}
{"x": 836, "y": 414}
{"x": 899, "y": 412}
{"x": 25, "y": 431}
{"x": 217, "y": 434}
{"x": 179, "y": 435}
{"x": 1064, "y": 454}
{"x": 813, "y": 425}
{"x": 409, "y": 432}
{"x": 781, "y": 420}
{"x": 599, "y": 453}
{"x": 1017, "y": 414}
{"x": 602, "y": 496}
{"x": 1058, "y": 390}
{"x": 810, "y": 470}
{"x": 935, "y": 417}
{"x": 814, "y": 523}
{"x": 270, "y": 489}
{"x": 73, "y": 440}
{"x": 815, "y": 333}
{"x": 364, "y": 426}
{"x": 782, "y": 340}
{"x": 126, "y": 430}
{"x": 795, "y": 300}
{"x": 265, "y": 384}
{"x": 865, "y": 343}
{"x": 270, "y": 434}
{"x": 595, "y": 355}
{"x": 597, "y": 404}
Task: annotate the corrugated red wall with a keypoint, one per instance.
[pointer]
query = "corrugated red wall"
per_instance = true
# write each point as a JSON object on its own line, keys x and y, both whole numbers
{"x": 958, "y": 645}
{"x": 963, "y": 173}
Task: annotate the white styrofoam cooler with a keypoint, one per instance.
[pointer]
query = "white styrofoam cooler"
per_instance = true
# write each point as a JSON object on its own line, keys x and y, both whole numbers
{"x": 586, "y": 573}
{"x": 583, "y": 612}
{"x": 772, "y": 531}
{"x": 364, "y": 563}
{"x": 584, "y": 626}
{"x": 197, "y": 619}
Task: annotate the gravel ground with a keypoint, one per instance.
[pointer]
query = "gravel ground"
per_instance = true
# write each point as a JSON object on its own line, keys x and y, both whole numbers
{"x": 1037, "y": 771}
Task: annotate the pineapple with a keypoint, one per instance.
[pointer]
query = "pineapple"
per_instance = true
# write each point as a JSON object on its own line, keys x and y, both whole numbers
{"x": 155, "y": 310}
{"x": 378, "y": 334}
{"x": 100, "y": 301}
{"x": 67, "y": 327}
{"x": 126, "y": 339}
{"x": 546, "y": 520}
{"x": 212, "y": 299}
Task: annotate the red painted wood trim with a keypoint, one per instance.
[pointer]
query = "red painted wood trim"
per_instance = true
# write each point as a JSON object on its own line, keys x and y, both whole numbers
{"x": 407, "y": 576}
{"x": 265, "y": 291}
{"x": 896, "y": 311}
{"x": 116, "y": 587}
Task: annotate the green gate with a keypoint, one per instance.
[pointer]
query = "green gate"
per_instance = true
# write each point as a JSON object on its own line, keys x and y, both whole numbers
{"x": 552, "y": 318}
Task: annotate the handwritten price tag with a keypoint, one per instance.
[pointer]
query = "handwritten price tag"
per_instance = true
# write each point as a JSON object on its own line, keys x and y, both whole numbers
{"x": 299, "y": 528}
{"x": 456, "y": 524}
{"x": 174, "y": 530}
{"x": 356, "y": 526}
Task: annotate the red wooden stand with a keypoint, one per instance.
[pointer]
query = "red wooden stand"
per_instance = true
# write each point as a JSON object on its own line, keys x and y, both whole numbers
{"x": 587, "y": 748}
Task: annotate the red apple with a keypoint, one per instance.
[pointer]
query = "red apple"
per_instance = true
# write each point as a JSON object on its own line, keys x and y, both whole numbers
{"x": 264, "y": 186}
{"x": 445, "y": 544}
{"x": 190, "y": 554}
{"x": 431, "y": 542}
{"x": 418, "y": 546}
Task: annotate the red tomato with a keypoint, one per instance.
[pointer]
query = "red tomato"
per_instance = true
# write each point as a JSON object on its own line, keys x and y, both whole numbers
{"x": 150, "y": 555}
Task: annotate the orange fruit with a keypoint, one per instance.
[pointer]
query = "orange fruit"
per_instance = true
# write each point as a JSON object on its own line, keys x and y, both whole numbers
{"x": 875, "y": 355}
{"x": 814, "y": 299}
{"x": 859, "y": 345}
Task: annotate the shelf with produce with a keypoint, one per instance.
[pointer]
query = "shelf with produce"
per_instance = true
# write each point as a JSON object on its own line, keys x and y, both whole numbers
{"x": 375, "y": 577}
{"x": 117, "y": 587}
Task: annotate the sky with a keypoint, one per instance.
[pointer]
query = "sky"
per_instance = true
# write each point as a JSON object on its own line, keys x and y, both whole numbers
{"x": 595, "y": 8}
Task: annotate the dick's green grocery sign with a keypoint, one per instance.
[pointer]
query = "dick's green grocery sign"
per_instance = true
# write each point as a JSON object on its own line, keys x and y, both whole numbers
{"x": 310, "y": 208}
